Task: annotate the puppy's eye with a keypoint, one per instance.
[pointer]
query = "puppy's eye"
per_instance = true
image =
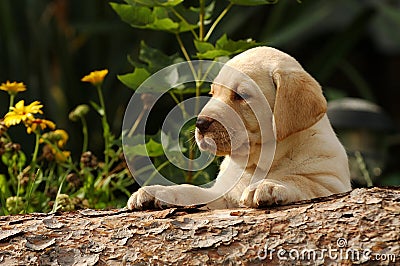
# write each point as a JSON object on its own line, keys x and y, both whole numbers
{"x": 240, "y": 97}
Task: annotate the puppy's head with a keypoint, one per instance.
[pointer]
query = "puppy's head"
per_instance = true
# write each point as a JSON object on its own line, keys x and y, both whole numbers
{"x": 244, "y": 93}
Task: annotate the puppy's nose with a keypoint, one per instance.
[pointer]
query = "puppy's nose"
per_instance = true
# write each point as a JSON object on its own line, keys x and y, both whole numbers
{"x": 203, "y": 123}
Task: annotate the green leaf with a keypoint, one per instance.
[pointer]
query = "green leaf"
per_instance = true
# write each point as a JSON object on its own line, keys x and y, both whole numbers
{"x": 235, "y": 47}
{"x": 203, "y": 47}
{"x": 149, "y": 17}
{"x": 165, "y": 24}
{"x": 184, "y": 26}
{"x": 187, "y": 18}
{"x": 155, "y": 59}
{"x": 146, "y": 18}
{"x": 212, "y": 54}
{"x": 253, "y": 2}
{"x": 153, "y": 3}
{"x": 21, "y": 160}
{"x": 133, "y": 80}
{"x": 4, "y": 186}
{"x": 133, "y": 15}
{"x": 5, "y": 158}
{"x": 151, "y": 148}
{"x": 223, "y": 47}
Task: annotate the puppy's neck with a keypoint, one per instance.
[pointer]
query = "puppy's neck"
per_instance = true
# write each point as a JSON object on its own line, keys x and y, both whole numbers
{"x": 260, "y": 156}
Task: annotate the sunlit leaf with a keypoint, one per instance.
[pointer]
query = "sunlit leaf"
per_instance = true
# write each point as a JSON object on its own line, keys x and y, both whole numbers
{"x": 155, "y": 18}
{"x": 223, "y": 47}
{"x": 235, "y": 47}
{"x": 153, "y": 3}
{"x": 134, "y": 15}
{"x": 5, "y": 158}
{"x": 165, "y": 24}
{"x": 133, "y": 80}
{"x": 253, "y": 2}
{"x": 203, "y": 47}
{"x": 146, "y": 18}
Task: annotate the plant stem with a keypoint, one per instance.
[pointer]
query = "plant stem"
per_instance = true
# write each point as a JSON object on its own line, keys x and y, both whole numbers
{"x": 183, "y": 49}
{"x": 363, "y": 168}
{"x": 101, "y": 99}
{"x": 214, "y": 25}
{"x": 28, "y": 197}
{"x": 189, "y": 178}
{"x": 136, "y": 124}
{"x": 176, "y": 13}
{"x": 17, "y": 196}
{"x": 106, "y": 128}
{"x": 85, "y": 134}
{"x": 187, "y": 57}
{"x": 181, "y": 106}
{"x": 158, "y": 169}
{"x": 12, "y": 98}
{"x": 55, "y": 206}
{"x": 3, "y": 204}
{"x": 36, "y": 150}
{"x": 201, "y": 20}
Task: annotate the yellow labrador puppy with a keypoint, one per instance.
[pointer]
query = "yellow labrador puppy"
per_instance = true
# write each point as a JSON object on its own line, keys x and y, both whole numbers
{"x": 309, "y": 160}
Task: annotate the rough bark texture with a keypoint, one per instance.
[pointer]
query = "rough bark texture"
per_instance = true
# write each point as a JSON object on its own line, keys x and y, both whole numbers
{"x": 364, "y": 224}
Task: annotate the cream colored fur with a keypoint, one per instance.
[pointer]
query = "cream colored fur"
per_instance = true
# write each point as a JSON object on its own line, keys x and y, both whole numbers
{"x": 309, "y": 160}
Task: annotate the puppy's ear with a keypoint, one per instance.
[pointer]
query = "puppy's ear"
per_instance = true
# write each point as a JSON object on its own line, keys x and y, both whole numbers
{"x": 299, "y": 102}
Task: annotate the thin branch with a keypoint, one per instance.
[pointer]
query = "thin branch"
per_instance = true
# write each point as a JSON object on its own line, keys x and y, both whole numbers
{"x": 178, "y": 15}
{"x": 201, "y": 20}
{"x": 220, "y": 17}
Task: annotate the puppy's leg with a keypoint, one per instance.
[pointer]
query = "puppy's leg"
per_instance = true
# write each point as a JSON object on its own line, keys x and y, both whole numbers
{"x": 287, "y": 190}
{"x": 167, "y": 196}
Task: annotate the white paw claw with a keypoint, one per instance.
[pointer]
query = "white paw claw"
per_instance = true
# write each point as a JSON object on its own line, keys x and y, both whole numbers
{"x": 146, "y": 198}
{"x": 265, "y": 194}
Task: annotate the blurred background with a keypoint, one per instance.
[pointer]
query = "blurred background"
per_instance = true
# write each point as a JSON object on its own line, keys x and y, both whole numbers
{"x": 352, "y": 47}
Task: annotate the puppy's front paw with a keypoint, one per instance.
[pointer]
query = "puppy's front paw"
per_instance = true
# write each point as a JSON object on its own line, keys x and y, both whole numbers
{"x": 146, "y": 198}
{"x": 267, "y": 192}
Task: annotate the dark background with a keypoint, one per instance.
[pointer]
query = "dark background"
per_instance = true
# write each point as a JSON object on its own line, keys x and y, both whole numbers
{"x": 352, "y": 47}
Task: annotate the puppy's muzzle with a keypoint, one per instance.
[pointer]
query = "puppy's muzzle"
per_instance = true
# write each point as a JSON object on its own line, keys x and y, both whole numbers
{"x": 203, "y": 123}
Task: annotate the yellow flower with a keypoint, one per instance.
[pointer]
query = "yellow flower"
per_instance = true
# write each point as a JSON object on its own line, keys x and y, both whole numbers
{"x": 95, "y": 77}
{"x": 33, "y": 125}
{"x": 13, "y": 88}
{"x": 58, "y": 137}
{"x": 21, "y": 113}
{"x": 62, "y": 137}
{"x": 62, "y": 156}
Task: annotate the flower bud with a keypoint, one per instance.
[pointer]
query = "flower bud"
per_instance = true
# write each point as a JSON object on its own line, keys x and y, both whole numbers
{"x": 79, "y": 112}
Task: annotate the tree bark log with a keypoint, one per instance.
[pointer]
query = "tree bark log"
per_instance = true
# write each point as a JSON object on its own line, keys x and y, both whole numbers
{"x": 360, "y": 227}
